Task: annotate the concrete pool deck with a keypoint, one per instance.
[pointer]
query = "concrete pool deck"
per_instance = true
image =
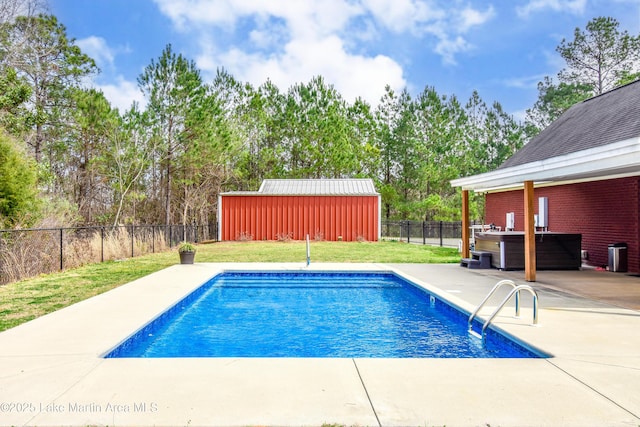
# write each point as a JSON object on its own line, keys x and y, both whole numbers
{"x": 52, "y": 372}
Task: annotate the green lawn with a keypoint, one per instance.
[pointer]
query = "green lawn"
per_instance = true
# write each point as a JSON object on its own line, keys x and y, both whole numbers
{"x": 28, "y": 299}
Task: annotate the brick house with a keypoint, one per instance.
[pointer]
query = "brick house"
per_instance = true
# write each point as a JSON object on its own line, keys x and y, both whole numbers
{"x": 587, "y": 166}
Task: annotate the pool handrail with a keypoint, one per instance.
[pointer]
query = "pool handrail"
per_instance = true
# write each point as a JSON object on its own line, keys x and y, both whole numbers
{"x": 516, "y": 291}
{"x": 484, "y": 301}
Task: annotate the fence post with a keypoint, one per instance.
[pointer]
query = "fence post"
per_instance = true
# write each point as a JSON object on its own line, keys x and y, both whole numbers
{"x": 101, "y": 244}
{"x": 61, "y": 254}
{"x": 408, "y": 232}
{"x": 132, "y": 240}
{"x": 440, "y": 233}
{"x": 153, "y": 239}
{"x": 424, "y": 235}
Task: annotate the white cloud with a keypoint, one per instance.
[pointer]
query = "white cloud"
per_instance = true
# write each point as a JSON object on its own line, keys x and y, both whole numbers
{"x": 302, "y": 16}
{"x": 122, "y": 93}
{"x": 448, "y": 48}
{"x": 469, "y": 17}
{"x": 352, "y": 75}
{"x": 213, "y": 12}
{"x": 404, "y": 15}
{"x": 97, "y": 48}
{"x": 570, "y": 6}
{"x": 526, "y": 82}
{"x": 316, "y": 19}
{"x": 519, "y": 115}
{"x": 292, "y": 41}
{"x": 268, "y": 34}
{"x": 450, "y": 33}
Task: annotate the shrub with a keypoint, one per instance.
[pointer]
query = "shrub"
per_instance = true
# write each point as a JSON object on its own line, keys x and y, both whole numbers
{"x": 284, "y": 237}
{"x": 244, "y": 237}
{"x": 18, "y": 185}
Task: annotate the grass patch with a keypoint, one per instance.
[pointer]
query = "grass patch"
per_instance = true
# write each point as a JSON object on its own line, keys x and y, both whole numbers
{"x": 390, "y": 252}
{"x": 27, "y": 299}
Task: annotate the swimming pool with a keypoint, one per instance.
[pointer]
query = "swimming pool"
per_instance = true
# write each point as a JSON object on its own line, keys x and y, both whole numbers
{"x": 314, "y": 314}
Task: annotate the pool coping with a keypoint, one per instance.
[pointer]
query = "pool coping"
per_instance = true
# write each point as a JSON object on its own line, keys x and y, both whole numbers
{"x": 51, "y": 372}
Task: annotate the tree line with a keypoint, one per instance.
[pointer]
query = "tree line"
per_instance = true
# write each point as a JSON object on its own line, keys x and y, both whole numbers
{"x": 68, "y": 157}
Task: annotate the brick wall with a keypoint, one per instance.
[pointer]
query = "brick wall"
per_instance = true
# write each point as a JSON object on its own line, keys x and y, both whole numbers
{"x": 603, "y": 212}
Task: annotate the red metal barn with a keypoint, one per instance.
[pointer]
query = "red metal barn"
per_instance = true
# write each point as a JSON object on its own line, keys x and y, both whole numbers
{"x": 325, "y": 209}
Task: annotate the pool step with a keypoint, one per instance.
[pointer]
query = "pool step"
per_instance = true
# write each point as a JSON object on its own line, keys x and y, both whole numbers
{"x": 475, "y": 334}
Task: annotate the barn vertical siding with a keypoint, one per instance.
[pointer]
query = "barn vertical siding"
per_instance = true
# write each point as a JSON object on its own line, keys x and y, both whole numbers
{"x": 275, "y": 217}
{"x": 604, "y": 212}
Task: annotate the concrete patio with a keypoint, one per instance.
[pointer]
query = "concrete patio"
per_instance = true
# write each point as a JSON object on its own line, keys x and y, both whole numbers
{"x": 52, "y": 372}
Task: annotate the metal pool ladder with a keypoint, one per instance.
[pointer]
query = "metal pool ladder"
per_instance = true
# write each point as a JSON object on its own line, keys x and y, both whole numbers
{"x": 516, "y": 290}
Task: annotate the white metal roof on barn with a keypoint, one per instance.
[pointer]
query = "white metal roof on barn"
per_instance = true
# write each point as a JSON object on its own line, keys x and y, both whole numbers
{"x": 318, "y": 187}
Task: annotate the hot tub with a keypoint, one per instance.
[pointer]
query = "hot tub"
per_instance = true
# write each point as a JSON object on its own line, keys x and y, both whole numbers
{"x": 554, "y": 251}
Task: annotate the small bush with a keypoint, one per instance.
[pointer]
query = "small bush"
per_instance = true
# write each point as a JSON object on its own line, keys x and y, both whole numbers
{"x": 284, "y": 237}
{"x": 244, "y": 236}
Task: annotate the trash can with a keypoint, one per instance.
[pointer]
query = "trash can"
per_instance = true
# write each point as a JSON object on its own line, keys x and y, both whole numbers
{"x": 618, "y": 257}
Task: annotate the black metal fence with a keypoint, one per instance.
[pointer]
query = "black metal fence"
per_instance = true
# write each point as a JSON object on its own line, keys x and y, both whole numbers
{"x": 29, "y": 252}
{"x": 437, "y": 233}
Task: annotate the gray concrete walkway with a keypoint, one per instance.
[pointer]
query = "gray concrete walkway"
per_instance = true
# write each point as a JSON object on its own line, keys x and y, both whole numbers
{"x": 51, "y": 372}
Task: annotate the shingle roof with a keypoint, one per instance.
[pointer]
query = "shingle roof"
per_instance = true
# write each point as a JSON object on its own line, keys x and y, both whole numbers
{"x": 611, "y": 117}
{"x": 595, "y": 139}
{"x": 318, "y": 187}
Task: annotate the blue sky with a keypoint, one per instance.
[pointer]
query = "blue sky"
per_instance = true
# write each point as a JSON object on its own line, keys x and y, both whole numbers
{"x": 501, "y": 48}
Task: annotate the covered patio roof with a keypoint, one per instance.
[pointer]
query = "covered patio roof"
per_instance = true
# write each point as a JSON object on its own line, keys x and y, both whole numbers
{"x": 604, "y": 162}
{"x": 596, "y": 139}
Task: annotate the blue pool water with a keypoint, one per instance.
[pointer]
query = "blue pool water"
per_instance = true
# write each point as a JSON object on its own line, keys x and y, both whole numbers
{"x": 313, "y": 314}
